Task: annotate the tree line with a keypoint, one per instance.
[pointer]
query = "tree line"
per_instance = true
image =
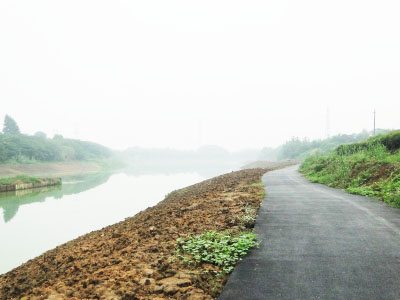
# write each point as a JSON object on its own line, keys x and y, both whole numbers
{"x": 18, "y": 147}
{"x": 301, "y": 148}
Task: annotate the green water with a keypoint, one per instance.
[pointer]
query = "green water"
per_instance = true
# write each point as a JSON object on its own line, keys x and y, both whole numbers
{"x": 34, "y": 221}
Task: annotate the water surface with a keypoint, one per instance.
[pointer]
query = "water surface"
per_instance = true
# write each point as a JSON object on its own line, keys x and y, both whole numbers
{"x": 35, "y": 221}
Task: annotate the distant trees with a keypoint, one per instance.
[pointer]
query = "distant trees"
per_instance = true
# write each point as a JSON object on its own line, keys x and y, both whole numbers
{"x": 301, "y": 148}
{"x": 58, "y": 137}
{"x": 10, "y": 126}
{"x": 23, "y": 148}
{"x": 40, "y": 134}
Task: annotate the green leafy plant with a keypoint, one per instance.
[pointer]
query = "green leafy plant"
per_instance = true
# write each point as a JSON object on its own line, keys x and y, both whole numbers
{"x": 222, "y": 249}
{"x": 370, "y": 168}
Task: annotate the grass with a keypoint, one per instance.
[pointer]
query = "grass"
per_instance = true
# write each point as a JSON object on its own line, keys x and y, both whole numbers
{"x": 223, "y": 249}
{"x": 370, "y": 168}
{"x": 259, "y": 184}
{"x": 19, "y": 179}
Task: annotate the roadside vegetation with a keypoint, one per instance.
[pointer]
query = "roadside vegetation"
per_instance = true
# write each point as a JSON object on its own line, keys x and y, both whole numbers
{"x": 302, "y": 148}
{"x": 370, "y": 168}
{"x": 223, "y": 249}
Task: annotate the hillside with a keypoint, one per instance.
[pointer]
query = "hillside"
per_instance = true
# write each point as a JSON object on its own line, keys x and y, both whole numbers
{"x": 21, "y": 148}
{"x": 370, "y": 168}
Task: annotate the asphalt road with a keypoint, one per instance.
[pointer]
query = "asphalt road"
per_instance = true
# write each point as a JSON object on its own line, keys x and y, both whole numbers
{"x": 319, "y": 243}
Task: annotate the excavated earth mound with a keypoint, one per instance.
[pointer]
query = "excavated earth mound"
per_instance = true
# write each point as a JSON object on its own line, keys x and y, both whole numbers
{"x": 135, "y": 259}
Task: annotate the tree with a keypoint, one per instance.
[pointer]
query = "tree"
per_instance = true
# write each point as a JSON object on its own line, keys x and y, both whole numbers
{"x": 10, "y": 126}
{"x": 40, "y": 134}
{"x": 58, "y": 137}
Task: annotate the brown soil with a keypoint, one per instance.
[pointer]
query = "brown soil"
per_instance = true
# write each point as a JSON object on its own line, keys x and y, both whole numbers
{"x": 43, "y": 169}
{"x": 135, "y": 259}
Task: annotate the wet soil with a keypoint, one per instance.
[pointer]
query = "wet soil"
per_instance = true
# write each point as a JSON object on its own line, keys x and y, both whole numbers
{"x": 135, "y": 259}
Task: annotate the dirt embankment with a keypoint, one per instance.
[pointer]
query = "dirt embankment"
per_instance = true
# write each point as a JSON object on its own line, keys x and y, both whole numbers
{"x": 20, "y": 184}
{"x": 135, "y": 259}
{"x": 46, "y": 169}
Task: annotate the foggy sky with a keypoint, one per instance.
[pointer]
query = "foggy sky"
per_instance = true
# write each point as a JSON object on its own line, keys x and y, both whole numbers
{"x": 240, "y": 74}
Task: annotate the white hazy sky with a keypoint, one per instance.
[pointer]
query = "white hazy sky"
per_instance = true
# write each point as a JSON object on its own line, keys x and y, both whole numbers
{"x": 239, "y": 74}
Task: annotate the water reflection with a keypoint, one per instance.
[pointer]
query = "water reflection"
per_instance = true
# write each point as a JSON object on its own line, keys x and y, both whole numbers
{"x": 82, "y": 204}
{"x": 10, "y": 202}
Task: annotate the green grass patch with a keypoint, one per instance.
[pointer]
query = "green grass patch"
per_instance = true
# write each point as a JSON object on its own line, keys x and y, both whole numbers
{"x": 223, "y": 249}
{"x": 259, "y": 184}
{"x": 19, "y": 179}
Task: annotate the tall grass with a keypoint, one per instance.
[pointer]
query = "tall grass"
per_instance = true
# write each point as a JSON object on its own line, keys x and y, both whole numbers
{"x": 370, "y": 168}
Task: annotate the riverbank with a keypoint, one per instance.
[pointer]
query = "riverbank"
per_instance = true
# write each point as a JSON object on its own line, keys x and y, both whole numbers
{"x": 135, "y": 259}
{"x": 58, "y": 169}
{"x": 26, "y": 182}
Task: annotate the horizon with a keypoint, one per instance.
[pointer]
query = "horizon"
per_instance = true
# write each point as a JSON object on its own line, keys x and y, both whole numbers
{"x": 370, "y": 132}
{"x": 183, "y": 74}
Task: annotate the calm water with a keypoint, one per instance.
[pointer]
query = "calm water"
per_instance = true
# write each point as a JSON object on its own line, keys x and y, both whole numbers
{"x": 36, "y": 221}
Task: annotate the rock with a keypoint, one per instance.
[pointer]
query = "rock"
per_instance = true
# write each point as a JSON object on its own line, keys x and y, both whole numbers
{"x": 182, "y": 275}
{"x": 174, "y": 281}
{"x": 146, "y": 281}
{"x": 55, "y": 297}
{"x": 197, "y": 297}
{"x": 158, "y": 289}
{"x": 170, "y": 290}
{"x": 148, "y": 272}
{"x": 184, "y": 282}
{"x": 109, "y": 295}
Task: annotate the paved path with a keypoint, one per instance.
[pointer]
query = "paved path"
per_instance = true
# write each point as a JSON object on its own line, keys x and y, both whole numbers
{"x": 319, "y": 243}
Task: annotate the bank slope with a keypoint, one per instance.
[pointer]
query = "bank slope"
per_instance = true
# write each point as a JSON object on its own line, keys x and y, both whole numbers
{"x": 136, "y": 258}
{"x": 370, "y": 168}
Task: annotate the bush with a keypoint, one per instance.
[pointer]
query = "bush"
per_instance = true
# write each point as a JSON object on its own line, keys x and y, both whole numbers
{"x": 370, "y": 168}
{"x": 220, "y": 249}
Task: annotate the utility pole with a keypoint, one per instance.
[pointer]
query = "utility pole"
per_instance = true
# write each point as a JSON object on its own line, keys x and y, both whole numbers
{"x": 374, "y": 121}
{"x": 328, "y": 125}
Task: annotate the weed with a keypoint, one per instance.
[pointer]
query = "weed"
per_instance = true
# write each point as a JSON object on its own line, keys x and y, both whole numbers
{"x": 259, "y": 184}
{"x": 221, "y": 249}
{"x": 370, "y": 168}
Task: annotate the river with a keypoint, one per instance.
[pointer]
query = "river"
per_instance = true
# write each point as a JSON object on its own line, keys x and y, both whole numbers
{"x": 34, "y": 221}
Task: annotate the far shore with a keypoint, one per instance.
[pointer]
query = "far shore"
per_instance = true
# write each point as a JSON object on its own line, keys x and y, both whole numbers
{"x": 53, "y": 169}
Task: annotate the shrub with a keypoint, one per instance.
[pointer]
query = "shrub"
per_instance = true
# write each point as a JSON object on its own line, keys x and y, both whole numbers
{"x": 220, "y": 249}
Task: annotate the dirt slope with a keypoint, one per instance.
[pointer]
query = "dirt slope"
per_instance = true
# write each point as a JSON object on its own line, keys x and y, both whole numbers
{"x": 135, "y": 259}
